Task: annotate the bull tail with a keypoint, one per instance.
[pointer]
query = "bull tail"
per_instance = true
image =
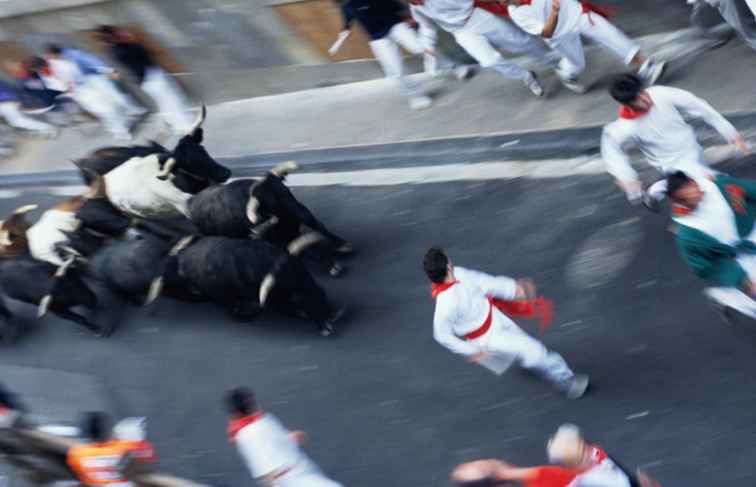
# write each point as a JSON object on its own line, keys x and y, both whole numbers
{"x": 156, "y": 286}
{"x": 60, "y": 273}
{"x": 295, "y": 248}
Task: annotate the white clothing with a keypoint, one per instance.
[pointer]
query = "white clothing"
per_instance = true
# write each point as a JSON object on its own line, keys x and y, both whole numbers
{"x": 386, "y": 51}
{"x": 532, "y": 18}
{"x": 573, "y": 23}
{"x": 50, "y": 231}
{"x": 266, "y": 447}
{"x": 666, "y": 140}
{"x": 170, "y": 101}
{"x": 450, "y": 15}
{"x": 134, "y": 188}
{"x": 752, "y": 5}
{"x": 464, "y": 308}
{"x": 603, "y": 473}
{"x": 12, "y": 114}
{"x": 483, "y": 34}
{"x": 107, "y": 89}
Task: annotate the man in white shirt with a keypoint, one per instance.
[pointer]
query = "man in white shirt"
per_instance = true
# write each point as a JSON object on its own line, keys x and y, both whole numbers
{"x": 563, "y": 24}
{"x": 272, "y": 453}
{"x": 469, "y": 322}
{"x": 653, "y": 120}
{"x": 481, "y": 33}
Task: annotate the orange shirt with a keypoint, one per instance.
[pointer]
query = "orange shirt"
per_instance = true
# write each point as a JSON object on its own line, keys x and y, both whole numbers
{"x": 98, "y": 464}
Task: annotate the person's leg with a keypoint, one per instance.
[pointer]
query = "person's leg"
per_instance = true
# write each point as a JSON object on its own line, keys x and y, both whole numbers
{"x": 11, "y": 111}
{"x": 730, "y": 297}
{"x": 169, "y": 100}
{"x": 90, "y": 99}
{"x": 503, "y": 34}
{"x": 388, "y": 55}
{"x": 570, "y": 47}
{"x": 108, "y": 89}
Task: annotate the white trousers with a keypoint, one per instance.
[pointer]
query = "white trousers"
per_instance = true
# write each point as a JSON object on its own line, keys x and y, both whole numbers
{"x": 89, "y": 96}
{"x": 169, "y": 99}
{"x": 484, "y": 33}
{"x": 11, "y": 112}
{"x": 386, "y": 51}
{"x": 305, "y": 474}
{"x": 506, "y": 341}
{"x": 107, "y": 89}
{"x": 597, "y": 29}
{"x": 734, "y": 297}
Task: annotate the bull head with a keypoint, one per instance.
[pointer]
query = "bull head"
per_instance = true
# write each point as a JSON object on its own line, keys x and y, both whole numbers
{"x": 295, "y": 248}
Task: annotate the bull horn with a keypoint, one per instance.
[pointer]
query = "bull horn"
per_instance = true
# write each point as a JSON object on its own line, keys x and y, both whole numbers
{"x": 285, "y": 168}
{"x": 259, "y": 230}
{"x": 181, "y": 245}
{"x": 5, "y": 239}
{"x": 61, "y": 272}
{"x": 97, "y": 188}
{"x": 297, "y": 246}
{"x": 200, "y": 119}
{"x": 25, "y": 209}
{"x": 167, "y": 168}
{"x": 156, "y": 287}
{"x": 252, "y": 206}
{"x": 44, "y": 306}
{"x": 266, "y": 287}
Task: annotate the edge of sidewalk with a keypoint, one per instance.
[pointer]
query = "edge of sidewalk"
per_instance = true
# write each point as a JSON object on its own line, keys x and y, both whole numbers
{"x": 521, "y": 146}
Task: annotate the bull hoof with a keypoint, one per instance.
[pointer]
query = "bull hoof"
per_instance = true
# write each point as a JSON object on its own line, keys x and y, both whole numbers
{"x": 336, "y": 270}
{"x": 327, "y": 330}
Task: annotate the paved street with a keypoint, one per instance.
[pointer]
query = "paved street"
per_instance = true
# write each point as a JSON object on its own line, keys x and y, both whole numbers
{"x": 385, "y": 405}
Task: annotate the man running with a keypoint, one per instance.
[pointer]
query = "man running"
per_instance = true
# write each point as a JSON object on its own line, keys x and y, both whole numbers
{"x": 468, "y": 321}
{"x": 654, "y": 120}
{"x": 481, "y": 33}
{"x": 564, "y": 23}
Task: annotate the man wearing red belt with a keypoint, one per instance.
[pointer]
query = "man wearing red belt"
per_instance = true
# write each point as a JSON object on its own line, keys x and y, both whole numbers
{"x": 470, "y": 321}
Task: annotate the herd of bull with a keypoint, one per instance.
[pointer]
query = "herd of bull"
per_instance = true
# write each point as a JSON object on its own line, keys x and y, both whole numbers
{"x": 168, "y": 222}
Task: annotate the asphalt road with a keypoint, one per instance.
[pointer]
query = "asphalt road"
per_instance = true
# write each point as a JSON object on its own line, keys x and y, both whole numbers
{"x": 384, "y": 405}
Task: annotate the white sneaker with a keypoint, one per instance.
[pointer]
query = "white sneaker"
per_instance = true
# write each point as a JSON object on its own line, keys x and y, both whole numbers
{"x": 420, "y": 102}
{"x": 651, "y": 70}
{"x": 577, "y": 387}
{"x": 534, "y": 85}
{"x": 573, "y": 85}
{"x": 464, "y": 72}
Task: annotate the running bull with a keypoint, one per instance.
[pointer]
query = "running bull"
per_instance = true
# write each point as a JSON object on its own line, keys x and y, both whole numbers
{"x": 265, "y": 208}
{"x": 152, "y": 183}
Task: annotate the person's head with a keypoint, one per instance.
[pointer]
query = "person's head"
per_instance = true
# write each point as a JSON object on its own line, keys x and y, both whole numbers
{"x": 95, "y": 426}
{"x": 683, "y": 190}
{"x": 240, "y": 402}
{"x": 36, "y": 64}
{"x": 629, "y": 90}
{"x": 437, "y": 265}
{"x": 107, "y": 33}
{"x": 567, "y": 447}
{"x": 53, "y": 51}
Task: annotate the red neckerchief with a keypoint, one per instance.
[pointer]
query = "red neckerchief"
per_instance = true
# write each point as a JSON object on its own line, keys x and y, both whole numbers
{"x": 238, "y": 424}
{"x": 680, "y": 210}
{"x": 437, "y": 288}
{"x": 590, "y": 7}
{"x": 495, "y": 8}
{"x": 630, "y": 113}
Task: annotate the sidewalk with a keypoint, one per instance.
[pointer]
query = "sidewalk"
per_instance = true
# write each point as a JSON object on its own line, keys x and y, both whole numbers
{"x": 372, "y": 112}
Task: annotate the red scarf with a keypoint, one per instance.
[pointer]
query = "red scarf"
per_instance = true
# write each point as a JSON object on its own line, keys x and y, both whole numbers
{"x": 630, "y": 113}
{"x": 497, "y": 8}
{"x": 540, "y": 308}
{"x": 239, "y": 424}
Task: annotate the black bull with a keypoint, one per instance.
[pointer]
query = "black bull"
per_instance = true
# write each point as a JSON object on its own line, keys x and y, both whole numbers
{"x": 224, "y": 210}
{"x": 241, "y": 275}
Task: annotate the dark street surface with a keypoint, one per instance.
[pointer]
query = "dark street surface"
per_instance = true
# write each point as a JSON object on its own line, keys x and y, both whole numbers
{"x": 383, "y": 404}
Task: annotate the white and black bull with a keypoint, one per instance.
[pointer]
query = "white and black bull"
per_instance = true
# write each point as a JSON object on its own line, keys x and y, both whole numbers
{"x": 51, "y": 288}
{"x": 243, "y": 276}
{"x": 81, "y": 224}
{"x": 242, "y": 208}
{"x": 157, "y": 184}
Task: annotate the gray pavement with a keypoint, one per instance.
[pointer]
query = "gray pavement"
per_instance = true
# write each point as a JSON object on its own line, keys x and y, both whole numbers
{"x": 385, "y": 405}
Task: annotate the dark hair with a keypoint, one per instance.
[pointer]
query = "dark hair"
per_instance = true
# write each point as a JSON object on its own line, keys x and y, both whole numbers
{"x": 95, "y": 426}
{"x": 626, "y": 87}
{"x": 53, "y": 49}
{"x": 240, "y": 401}
{"x": 36, "y": 63}
{"x": 435, "y": 264}
{"x": 107, "y": 31}
{"x": 676, "y": 181}
{"x": 484, "y": 482}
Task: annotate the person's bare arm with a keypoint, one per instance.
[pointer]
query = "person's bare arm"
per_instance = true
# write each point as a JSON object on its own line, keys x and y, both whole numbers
{"x": 552, "y": 21}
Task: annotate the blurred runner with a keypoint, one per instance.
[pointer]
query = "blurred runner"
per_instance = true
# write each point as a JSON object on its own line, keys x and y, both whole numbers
{"x": 715, "y": 235}
{"x": 86, "y": 92}
{"x": 563, "y": 24}
{"x": 10, "y": 110}
{"x": 98, "y": 74}
{"x": 470, "y": 320}
{"x": 272, "y": 453}
{"x": 159, "y": 85}
{"x": 581, "y": 465}
{"x": 104, "y": 461}
{"x": 481, "y": 33}
{"x": 654, "y": 120}
{"x": 740, "y": 15}
{"x": 384, "y": 22}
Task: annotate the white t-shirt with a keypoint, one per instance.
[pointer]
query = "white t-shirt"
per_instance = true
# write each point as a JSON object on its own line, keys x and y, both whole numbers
{"x": 266, "y": 446}
{"x": 532, "y": 18}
